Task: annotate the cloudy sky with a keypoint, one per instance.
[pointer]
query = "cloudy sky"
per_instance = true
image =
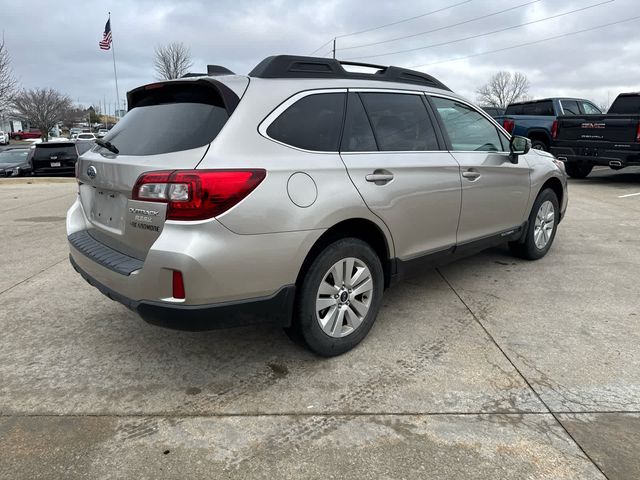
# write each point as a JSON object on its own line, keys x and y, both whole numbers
{"x": 56, "y": 44}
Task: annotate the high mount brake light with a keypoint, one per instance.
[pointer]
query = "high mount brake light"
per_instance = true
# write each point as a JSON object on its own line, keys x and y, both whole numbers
{"x": 197, "y": 194}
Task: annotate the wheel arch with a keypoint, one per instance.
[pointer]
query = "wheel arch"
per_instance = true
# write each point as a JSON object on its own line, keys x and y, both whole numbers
{"x": 361, "y": 228}
{"x": 556, "y": 186}
{"x": 539, "y": 134}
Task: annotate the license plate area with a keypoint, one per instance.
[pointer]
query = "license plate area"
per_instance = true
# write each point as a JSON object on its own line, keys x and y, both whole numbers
{"x": 55, "y": 164}
{"x": 108, "y": 209}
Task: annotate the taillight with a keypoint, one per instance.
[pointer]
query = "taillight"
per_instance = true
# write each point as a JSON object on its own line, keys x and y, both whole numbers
{"x": 638, "y": 133}
{"x": 508, "y": 125}
{"x": 197, "y": 194}
{"x": 554, "y": 129}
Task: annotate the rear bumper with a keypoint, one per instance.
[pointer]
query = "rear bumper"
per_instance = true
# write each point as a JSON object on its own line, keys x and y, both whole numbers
{"x": 275, "y": 309}
{"x": 604, "y": 157}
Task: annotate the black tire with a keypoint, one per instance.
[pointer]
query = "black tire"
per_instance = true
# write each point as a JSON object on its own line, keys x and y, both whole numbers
{"x": 17, "y": 137}
{"x": 528, "y": 248}
{"x": 306, "y": 327}
{"x": 539, "y": 145}
{"x": 578, "y": 170}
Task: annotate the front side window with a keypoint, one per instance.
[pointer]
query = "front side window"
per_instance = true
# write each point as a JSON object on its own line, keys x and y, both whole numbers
{"x": 590, "y": 108}
{"x": 400, "y": 122}
{"x": 312, "y": 123}
{"x": 468, "y": 130}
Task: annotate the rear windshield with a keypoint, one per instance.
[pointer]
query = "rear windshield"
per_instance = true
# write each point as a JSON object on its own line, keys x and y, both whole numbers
{"x": 626, "y": 104}
{"x": 170, "y": 118}
{"x": 542, "y": 108}
{"x": 44, "y": 151}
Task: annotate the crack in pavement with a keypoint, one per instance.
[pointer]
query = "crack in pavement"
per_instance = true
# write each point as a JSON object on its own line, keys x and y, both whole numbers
{"x": 504, "y": 353}
{"x": 32, "y": 276}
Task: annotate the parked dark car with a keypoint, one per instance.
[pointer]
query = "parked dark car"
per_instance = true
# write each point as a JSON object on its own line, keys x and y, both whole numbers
{"x": 494, "y": 111}
{"x": 535, "y": 119}
{"x": 14, "y": 162}
{"x": 54, "y": 158}
{"x": 611, "y": 139}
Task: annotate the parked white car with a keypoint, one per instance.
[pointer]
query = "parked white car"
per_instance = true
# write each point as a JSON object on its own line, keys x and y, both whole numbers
{"x": 4, "y": 138}
{"x": 102, "y": 132}
{"x": 85, "y": 137}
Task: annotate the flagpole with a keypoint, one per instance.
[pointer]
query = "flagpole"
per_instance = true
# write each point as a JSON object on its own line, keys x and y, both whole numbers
{"x": 115, "y": 74}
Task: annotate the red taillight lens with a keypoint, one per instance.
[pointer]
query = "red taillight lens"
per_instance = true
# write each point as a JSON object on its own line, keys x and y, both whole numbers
{"x": 554, "y": 129}
{"x": 508, "y": 125}
{"x": 178, "y": 285}
{"x": 197, "y": 194}
{"x": 638, "y": 133}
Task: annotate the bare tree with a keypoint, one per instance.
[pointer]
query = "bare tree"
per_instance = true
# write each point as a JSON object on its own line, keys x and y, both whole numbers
{"x": 502, "y": 89}
{"x": 172, "y": 60}
{"x": 8, "y": 82}
{"x": 41, "y": 107}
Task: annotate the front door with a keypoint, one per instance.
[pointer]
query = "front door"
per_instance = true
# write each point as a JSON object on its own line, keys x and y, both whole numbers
{"x": 392, "y": 153}
{"x": 495, "y": 191}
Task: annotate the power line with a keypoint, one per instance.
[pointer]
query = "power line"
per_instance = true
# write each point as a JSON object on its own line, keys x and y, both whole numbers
{"x": 527, "y": 43}
{"x": 404, "y": 20}
{"x": 475, "y": 19}
{"x": 481, "y": 34}
{"x": 392, "y": 23}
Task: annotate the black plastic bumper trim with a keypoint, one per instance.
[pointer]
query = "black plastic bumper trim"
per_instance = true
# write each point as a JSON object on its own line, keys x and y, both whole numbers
{"x": 276, "y": 309}
{"x": 103, "y": 255}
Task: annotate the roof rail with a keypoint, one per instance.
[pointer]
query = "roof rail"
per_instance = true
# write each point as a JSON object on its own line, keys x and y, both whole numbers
{"x": 292, "y": 66}
{"x": 212, "y": 71}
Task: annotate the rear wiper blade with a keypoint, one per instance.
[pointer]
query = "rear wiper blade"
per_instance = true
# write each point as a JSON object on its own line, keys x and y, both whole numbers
{"x": 108, "y": 145}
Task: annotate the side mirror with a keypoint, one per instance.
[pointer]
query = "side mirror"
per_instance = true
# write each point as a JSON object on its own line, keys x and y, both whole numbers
{"x": 519, "y": 146}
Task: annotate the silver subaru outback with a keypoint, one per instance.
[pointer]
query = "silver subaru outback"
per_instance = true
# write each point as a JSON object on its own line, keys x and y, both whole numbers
{"x": 296, "y": 194}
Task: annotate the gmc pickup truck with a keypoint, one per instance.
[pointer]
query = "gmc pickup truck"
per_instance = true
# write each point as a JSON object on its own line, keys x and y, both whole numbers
{"x": 582, "y": 141}
{"x": 534, "y": 119}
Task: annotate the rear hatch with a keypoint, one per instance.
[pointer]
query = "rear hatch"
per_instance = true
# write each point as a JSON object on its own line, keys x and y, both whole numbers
{"x": 598, "y": 128}
{"x": 52, "y": 157}
{"x": 169, "y": 126}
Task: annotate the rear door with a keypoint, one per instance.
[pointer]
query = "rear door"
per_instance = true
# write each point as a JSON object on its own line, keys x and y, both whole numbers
{"x": 495, "y": 192}
{"x": 169, "y": 126}
{"x": 394, "y": 158}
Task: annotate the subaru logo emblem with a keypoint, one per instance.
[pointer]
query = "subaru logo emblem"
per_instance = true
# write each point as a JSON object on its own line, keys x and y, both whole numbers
{"x": 92, "y": 172}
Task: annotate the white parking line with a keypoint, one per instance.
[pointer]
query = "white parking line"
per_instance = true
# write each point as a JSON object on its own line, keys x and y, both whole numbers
{"x": 629, "y": 195}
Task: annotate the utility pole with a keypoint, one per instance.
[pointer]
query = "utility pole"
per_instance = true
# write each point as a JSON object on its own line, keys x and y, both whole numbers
{"x": 334, "y": 47}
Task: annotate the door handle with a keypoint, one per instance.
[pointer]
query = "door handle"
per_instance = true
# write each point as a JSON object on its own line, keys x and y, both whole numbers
{"x": 471, "y": 175}
{"x": 379, "y": 177}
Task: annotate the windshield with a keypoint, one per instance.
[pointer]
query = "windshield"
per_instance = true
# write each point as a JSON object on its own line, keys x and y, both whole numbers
{"x": 14, "y": 156}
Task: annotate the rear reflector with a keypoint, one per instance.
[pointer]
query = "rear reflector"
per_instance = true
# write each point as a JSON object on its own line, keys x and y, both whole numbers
{"x": 197, "y": 194}
{"x": 178, "y": 285}
{"x": 554, "y": 129}
{"x": 508, "y": 125}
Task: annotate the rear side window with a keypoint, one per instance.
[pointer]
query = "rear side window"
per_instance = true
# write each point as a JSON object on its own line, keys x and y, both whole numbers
{"x": 312, "y": 123}
{"x": 570, "y": 107}
{"x": 468, "y": 130}
{"x": 170, "y": 118}
{"x": 358, "y": 135}
{"x": 400, "y": 122}
{"x": 44, "y": 151}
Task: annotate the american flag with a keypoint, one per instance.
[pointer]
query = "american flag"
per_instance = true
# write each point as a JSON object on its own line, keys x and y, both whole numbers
{"x": 105, "y": 43}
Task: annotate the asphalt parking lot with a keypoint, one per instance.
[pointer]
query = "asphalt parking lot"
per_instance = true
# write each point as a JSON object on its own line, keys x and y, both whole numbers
{"x": 491, "y": 367}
